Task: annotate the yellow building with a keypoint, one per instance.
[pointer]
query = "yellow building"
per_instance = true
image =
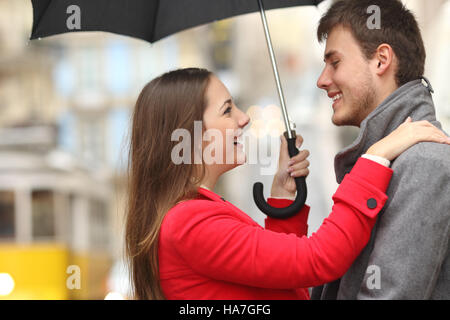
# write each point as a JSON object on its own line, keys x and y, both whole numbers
{"x": 53, "y": 219}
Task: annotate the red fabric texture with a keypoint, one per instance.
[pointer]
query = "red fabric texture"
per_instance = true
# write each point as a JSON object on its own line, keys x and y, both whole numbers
{"x": 209, "y": 249}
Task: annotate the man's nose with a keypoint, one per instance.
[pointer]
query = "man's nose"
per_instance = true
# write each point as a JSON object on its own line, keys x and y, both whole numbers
{"x": 324, "y": 80}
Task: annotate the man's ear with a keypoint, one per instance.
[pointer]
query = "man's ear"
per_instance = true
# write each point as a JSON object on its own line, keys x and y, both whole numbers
{"x": 384, "y": 59}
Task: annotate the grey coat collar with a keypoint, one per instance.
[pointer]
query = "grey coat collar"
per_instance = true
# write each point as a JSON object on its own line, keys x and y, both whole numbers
{"x": 412, "y": 99}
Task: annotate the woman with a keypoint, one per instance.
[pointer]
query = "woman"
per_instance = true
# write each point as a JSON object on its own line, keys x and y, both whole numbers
{"x": 184, "y": 241}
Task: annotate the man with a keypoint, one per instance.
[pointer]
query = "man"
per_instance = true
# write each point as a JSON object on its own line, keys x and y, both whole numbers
{"x": 374, "y": 77}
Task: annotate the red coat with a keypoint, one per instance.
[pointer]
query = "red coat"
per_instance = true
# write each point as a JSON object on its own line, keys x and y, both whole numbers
{"x": 209, "y": 249}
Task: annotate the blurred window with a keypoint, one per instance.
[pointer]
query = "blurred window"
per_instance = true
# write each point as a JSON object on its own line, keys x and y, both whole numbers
{"x": 118, "y": 67}
{"x": 98, "y": 224}
{"x": 69, "y": 223}
{"x": 43, "y": 214}
{"x": 67, "y": 132}
{"x": 6, "y": 214}
{"x": 89, "y": 69}
{"x": 92, "y": 133}
{"x": 118, "y": 127}
{"x": 64, "y": 77}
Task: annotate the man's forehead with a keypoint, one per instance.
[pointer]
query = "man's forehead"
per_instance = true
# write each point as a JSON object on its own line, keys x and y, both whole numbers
{"x": 340, "y": 41}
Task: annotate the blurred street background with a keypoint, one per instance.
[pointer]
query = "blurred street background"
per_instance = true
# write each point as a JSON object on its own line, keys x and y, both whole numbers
{"x": 65, "y": 107}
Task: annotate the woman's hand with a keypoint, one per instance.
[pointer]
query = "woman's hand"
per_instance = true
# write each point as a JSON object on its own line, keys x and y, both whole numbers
{"x": 405, "y": 136}
{"x": 289, "y": 168}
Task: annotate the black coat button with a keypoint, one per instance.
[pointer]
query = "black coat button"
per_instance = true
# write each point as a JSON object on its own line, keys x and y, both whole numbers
{"x": 371, "y": 203}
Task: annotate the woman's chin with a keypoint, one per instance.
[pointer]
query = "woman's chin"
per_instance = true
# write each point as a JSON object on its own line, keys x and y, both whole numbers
{"x": 241, "y": 158}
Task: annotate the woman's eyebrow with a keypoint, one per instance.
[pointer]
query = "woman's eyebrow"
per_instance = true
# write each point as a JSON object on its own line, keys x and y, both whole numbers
{"x": 227, "y": 101}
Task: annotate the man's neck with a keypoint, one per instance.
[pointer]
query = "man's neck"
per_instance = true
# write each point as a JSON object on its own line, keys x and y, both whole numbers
{"x": 381, "y": 95}
{"x": 385, "y": 88}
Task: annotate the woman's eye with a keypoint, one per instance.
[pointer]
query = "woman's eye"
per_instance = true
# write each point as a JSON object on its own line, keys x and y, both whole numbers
{"x": 227, "y": 110}
{"x": 334, "y": 64}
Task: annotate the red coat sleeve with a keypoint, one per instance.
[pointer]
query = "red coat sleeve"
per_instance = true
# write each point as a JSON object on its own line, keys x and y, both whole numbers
{"x": 297, "y": 224}
{"x": 219, "y": 245}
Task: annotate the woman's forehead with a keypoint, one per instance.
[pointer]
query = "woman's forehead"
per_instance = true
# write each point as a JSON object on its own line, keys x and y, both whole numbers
{"x": 216, "y": 92}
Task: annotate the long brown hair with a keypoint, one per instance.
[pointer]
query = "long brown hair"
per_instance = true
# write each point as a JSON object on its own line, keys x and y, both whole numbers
{"x": 155, "y": 184}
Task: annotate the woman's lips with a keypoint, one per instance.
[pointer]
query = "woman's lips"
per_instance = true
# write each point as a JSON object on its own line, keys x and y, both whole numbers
{"x": 238, "y": 140}
{"x": 238, "y": 144}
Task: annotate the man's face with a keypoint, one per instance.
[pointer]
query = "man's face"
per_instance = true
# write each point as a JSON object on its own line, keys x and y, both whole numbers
{"x": 347, "y": 79}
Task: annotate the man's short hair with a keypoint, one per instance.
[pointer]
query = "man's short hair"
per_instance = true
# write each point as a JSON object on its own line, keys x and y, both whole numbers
{"x": 398, "y": 28}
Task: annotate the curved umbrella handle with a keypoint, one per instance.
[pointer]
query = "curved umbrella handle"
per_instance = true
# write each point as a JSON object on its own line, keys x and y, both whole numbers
{"x": 287, "y": 212}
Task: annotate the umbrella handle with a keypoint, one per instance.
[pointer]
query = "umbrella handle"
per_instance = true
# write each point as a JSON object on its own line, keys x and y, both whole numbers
{"x": 287, "y": 212}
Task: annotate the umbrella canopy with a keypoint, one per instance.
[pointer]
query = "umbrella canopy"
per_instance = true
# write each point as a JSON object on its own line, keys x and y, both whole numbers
{"x": 154, "y": 20}
{"x": 149, "y": 20}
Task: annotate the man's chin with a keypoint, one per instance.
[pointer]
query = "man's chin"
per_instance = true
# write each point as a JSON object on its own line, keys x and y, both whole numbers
{"x": 340, "y": 120}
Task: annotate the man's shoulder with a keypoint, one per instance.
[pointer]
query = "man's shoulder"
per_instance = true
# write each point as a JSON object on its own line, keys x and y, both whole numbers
{"x": 425, "y": 154}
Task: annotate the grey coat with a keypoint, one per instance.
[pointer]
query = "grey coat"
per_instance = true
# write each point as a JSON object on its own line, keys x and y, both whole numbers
{"x": 407, "y": 255}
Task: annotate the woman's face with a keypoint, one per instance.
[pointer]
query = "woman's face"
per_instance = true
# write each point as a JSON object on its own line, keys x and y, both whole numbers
{"x": 224, "y": 123}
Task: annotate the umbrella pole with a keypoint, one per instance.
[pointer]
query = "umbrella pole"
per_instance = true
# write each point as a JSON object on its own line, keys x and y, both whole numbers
{"x": 258, "y": 192}
{"x": 275, "y": 70}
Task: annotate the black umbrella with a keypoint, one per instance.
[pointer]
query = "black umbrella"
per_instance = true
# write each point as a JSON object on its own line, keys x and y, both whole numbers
{"x": 152, "y": 20}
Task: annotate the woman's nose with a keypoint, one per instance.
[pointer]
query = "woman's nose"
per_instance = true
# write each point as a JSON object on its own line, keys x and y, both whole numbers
{"x": 244, "y": 119}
